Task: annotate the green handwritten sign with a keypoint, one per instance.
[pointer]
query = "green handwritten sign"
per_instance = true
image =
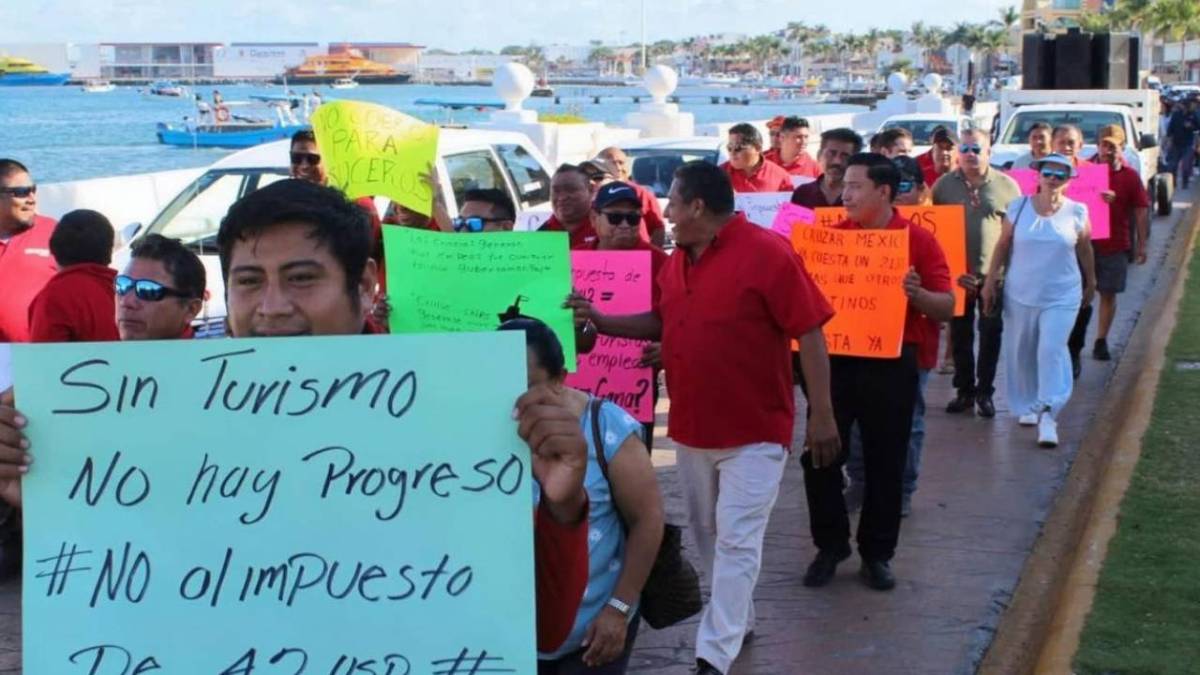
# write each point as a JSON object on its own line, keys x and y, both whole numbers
{"x": 372, "y": 150}
{"x": 323, "y": 505}
{"x": 444, "y": 282}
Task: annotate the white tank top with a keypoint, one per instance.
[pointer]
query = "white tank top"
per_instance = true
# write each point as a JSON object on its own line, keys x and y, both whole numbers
{"x": 1044, "y": 270}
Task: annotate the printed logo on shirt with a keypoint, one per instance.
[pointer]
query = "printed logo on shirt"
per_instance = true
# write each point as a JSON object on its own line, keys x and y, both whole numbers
{"x": 43, "y": 252}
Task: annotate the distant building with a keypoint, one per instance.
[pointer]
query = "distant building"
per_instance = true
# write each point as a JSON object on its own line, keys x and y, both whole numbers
{"x": 460, "y": 67}
{"x": 1182, "y": 60}
{"x": 260, "y": 60}
{"x": 146, "y": 61}
{"x": 1056, "y": 14}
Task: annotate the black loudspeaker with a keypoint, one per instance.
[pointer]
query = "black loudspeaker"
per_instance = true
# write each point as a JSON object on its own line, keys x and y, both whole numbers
{"x": 1114, "y": 61}
{"x": 1073, "y": 60}
{"x": 1037, "y": 61}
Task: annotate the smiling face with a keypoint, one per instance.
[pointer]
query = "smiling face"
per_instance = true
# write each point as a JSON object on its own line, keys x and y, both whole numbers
{"x": 165, "y": 319}
{"x": 1108, "y": 151}
{"x": 283, "y": 281}
{"x": 307, "y": 163}
{"x": 621, "y": 236}
{"x": 570, "y": 197}
{"x": 16, "y": 212}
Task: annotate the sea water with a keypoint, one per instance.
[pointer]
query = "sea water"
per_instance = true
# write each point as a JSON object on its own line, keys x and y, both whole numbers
{"x": 63, "y": 133}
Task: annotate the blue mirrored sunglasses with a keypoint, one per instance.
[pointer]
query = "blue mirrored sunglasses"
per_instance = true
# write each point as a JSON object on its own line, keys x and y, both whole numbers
{"x": 147, "y": 290}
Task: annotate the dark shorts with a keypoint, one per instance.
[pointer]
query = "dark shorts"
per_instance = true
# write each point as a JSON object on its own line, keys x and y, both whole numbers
{"x": 1110, "y": 272}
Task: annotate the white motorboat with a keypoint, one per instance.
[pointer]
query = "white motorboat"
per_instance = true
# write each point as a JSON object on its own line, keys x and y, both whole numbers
{"x": 98, "y": 86}
{"x": 343, "y": 83}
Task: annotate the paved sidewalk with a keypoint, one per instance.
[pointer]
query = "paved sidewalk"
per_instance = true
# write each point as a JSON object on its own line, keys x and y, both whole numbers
{"x": 984, "y": 489}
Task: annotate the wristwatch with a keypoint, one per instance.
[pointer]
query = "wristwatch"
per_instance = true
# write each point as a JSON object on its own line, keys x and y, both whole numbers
{"x": 621, "y": 607}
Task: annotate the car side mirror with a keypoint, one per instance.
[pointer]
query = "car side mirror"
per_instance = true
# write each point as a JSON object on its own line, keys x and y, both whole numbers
{"x": 1148, "y": 141}
{"x": 129, "y": 232}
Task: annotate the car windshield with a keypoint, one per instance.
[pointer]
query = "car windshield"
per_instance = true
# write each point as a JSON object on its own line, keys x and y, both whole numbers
{"x": 921, "y": 130}
{"x": 655, "y": 167}
{"x": 1088, "y": 121}
{"x": 194, "y": 216}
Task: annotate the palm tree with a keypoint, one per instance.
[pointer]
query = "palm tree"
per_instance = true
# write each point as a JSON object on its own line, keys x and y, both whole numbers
{"x": 1176, "y": 19}
{"x": 601, "y": 57}
{"x": 1096, "y": 22}
{"x": 871, "y": 42}
{"x": 992, "y": 41}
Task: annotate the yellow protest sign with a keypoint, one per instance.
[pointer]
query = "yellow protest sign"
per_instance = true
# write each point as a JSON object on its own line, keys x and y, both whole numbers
{"x": 861, "y": 273}
{"x": 371, "y": 150}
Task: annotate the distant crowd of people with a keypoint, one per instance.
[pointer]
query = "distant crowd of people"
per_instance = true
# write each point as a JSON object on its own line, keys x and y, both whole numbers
{"x": 736, "y": 324}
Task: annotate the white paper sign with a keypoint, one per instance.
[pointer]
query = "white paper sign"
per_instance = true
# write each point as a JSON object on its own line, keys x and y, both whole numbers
{"x": 530, "y": 221}
{"x": 760, "y": 207}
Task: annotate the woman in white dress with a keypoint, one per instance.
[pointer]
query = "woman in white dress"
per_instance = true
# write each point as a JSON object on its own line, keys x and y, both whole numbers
{"x": 1046, "y": 245}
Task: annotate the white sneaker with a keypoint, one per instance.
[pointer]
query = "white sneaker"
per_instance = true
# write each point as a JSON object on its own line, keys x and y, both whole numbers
{"x": 1047, "y": 432}
{"x": 1029, "y": 419}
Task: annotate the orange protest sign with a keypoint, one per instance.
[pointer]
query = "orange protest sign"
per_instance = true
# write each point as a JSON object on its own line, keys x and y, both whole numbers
{"x": 946, "y": 223}
{"x": 861, "y": 272}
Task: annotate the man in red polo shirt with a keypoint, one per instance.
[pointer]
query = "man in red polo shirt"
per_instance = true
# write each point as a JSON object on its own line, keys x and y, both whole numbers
{"x": 571, "y": 201}
{"x": 25, "y": 261}
{"x": 837, "y": 145}
{"x": 877, "y": 394}
{"x": 734, "y": 296}
{"x": 653, "y": 228}
{"x": 942, "y": 157}
{"x": 1127, "y": 200}
{"x": 792, "y": 155}
{"x": 161, "y": 291}
{"x": 748, "y": 170}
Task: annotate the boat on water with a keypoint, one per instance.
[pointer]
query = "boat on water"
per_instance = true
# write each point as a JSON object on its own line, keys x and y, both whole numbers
{"x": 98, "y": 86}
{"x": 344, "y": 83}
{"x": 18, "y": 72}
{"x": 350, "y": 64}
{"x": 166, "y": 89}
{"x": 237, "y": 124}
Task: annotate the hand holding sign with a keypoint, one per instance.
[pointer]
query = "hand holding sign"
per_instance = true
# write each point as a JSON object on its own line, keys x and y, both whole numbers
{"x": 551, "y": 428}
{"x": 372, "y": 150}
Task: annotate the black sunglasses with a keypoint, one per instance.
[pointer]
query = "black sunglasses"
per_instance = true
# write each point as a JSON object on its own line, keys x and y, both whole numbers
{"x": 970, "y": 149}
{"x": 615, "y": 219}
{"x": 474, "y": 223}
{"x": 145, "y": 289}
{"x": 1059, "y": 174}
{"x": 306, "y": 158}
{"x": 21, "y": 192}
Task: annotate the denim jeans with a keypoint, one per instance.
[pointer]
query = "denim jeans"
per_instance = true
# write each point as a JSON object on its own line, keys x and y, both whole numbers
{"x": 916, "y": 441}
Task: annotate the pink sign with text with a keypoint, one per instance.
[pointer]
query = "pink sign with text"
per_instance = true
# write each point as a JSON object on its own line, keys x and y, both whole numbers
{"x": 1085, "y": 188}
{"x": 616, "y": 282}
{"x": 788, "y": 215}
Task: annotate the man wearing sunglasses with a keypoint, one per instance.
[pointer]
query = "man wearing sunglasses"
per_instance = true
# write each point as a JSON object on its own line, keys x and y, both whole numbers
{"x": 488, "y": 210}
{"x": 984, "y": 194}
{"x": 160, "y": 292}
{"x": 747, "y": 168}
{"x": 653, "y": 228}
{"x": 25, "y": 261}
{"x": 295, "y": 257}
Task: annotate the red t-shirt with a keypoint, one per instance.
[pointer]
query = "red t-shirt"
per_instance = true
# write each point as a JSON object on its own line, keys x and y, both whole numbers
{"x": 25, "y": 267}
{"x": 728, "y": 321}
{"x": 769, "y": 177}
{"x": 652, "y": 215}
{"x": 925, "y": 161}
{"x": 925, "y": 254}
{"x": 1131, "y": 195}
{"x": 658, "y": 258}
{"x": 803, "y": 165}
{"x": 77, "y": 305}
{"x": 582, "y": 237}
{"x": 810, "y": 195}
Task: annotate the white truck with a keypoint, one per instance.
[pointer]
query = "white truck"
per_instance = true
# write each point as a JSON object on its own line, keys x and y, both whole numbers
{"x": 1134, "y": 110}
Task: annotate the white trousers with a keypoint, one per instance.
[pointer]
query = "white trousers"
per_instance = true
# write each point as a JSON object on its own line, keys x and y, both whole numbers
{"x": 730, "y": 494}
{"x": 1037, "y": 362}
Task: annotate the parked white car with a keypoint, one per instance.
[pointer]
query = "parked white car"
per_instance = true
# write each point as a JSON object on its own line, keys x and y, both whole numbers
{"x": 921, "y": 126}
{"x": 467, "y": 159}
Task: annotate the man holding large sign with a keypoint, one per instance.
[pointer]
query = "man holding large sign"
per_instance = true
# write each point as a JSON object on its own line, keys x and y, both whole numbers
{"x": 295, "y": 260}
{"x": 876, "y": 393}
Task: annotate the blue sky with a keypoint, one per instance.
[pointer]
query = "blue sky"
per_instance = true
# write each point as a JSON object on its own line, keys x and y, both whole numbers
{"x": 455, "y": 24}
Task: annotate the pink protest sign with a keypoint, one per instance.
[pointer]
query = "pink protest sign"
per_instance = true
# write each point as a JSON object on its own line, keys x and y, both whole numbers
{"x": 788, "y": 215}
{"x": 617, "y": 282}
{"x": 1084, "y": 188}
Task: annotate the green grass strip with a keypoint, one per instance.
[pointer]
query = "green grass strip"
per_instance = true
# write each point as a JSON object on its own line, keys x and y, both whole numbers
{"x": 1146, "y": 616}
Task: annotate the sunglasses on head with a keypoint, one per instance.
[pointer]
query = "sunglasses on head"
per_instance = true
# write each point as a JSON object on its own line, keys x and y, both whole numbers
{"x": 906, "y": 186}
{"x": 21, "y": 192}
{"x": 145, "y": 289}
{"x": 1057, "y": 174}
{"x": 970, "y": 149}
{"x": 615, "y": 219}
{"x": 473, "y": 223}
{"x": 310, "y": 158}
